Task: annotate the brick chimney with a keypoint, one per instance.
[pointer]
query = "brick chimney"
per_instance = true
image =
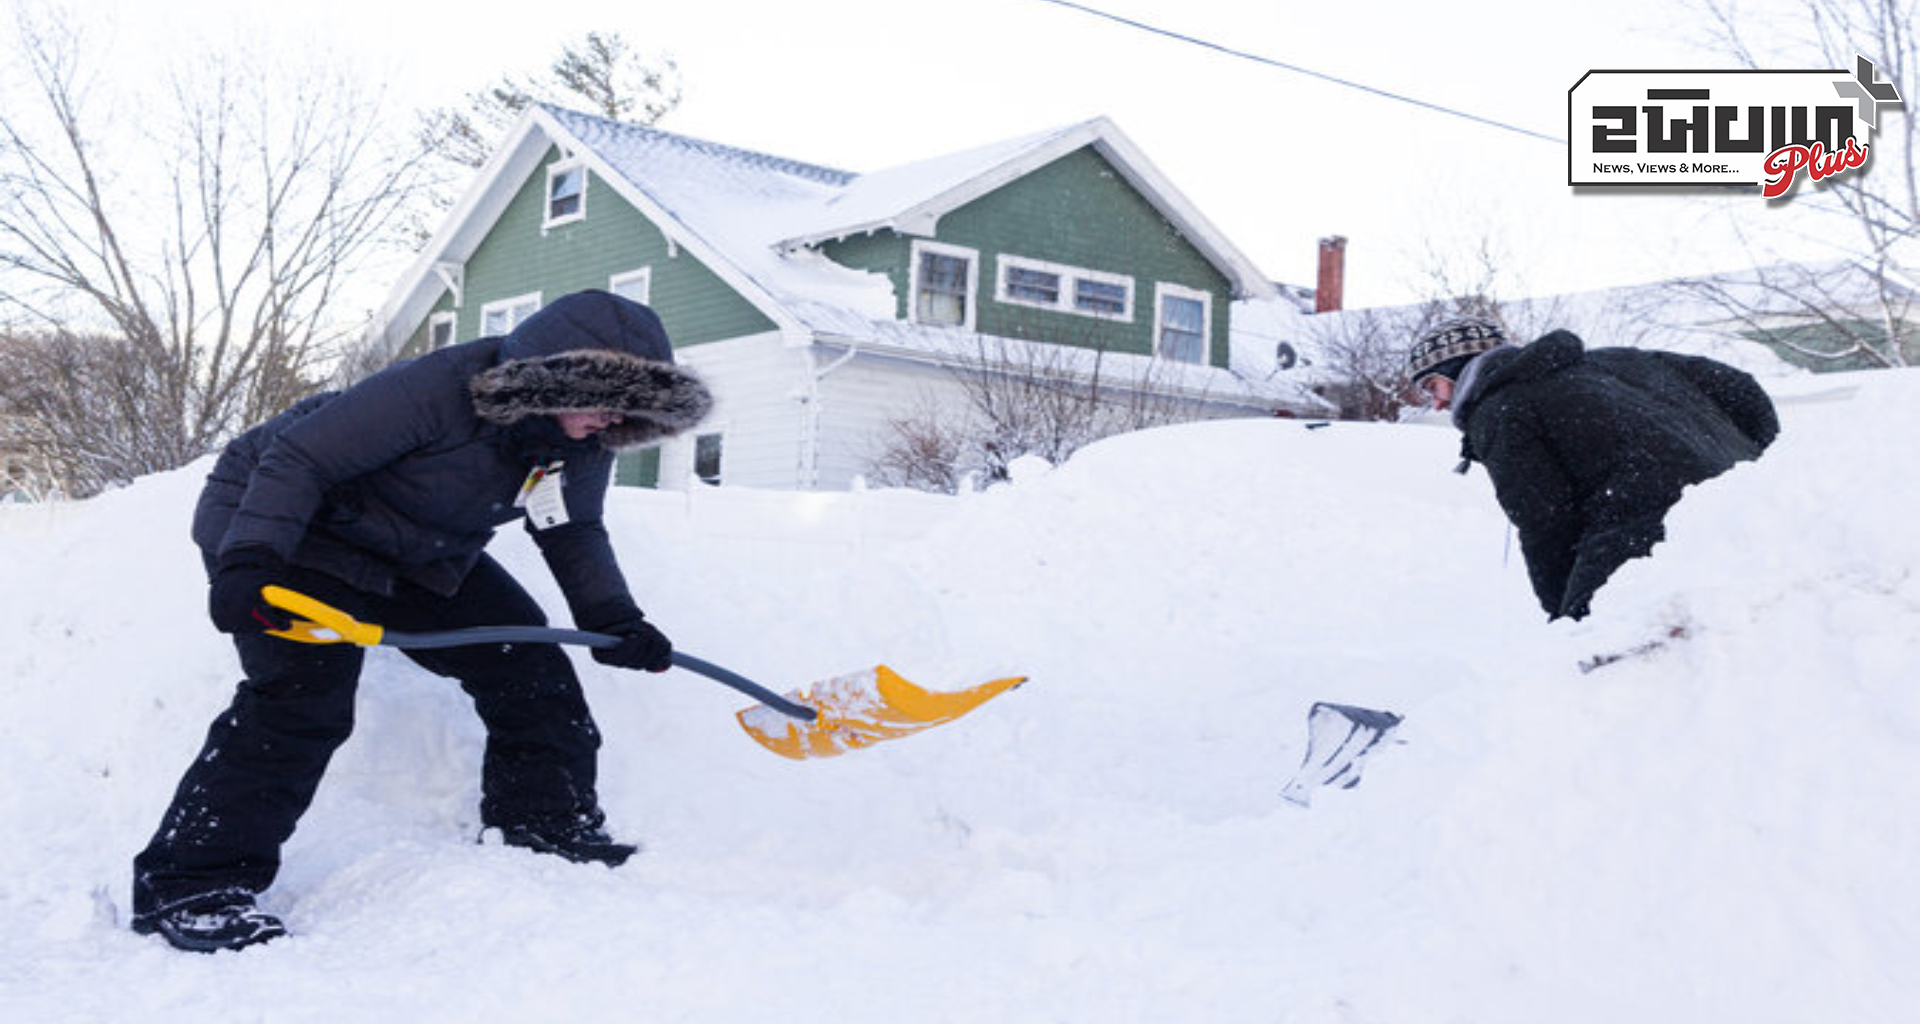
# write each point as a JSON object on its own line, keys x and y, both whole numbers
{"x": 1333, "y": 274}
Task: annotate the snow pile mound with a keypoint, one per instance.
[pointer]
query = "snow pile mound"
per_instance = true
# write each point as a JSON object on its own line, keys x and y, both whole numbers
{"x": 1717, "y": 828}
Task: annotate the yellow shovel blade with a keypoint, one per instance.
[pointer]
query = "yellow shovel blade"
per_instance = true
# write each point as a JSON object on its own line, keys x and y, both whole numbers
{"x": 861, "y": 709}
{"x": 324, "y": 624}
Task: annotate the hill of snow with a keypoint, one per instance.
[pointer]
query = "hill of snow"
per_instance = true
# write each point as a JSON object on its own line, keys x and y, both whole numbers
{"x": 1721, "y": 830}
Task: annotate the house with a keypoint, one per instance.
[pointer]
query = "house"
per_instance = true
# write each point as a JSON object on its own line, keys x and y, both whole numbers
{"x": 819, "y": 304}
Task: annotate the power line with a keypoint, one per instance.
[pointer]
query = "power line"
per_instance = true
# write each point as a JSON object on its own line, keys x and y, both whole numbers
{"x": 1256, "y": 58}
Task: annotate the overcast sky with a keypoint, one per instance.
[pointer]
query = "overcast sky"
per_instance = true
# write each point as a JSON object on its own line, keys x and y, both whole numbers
{"x": 1275, "y": 158}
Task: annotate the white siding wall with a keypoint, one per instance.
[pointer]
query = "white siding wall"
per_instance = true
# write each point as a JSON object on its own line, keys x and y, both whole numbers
{"x": 859, "y": 398}
{"x": 755, "y": 383}
{"x": 762, "y": 408}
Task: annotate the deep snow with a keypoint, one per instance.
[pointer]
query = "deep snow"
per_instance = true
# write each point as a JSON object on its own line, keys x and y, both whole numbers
{"x": 1721, "y": 831}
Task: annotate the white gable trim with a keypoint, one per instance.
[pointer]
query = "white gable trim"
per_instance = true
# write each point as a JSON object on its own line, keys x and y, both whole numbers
{"x": 473, "y": 218}
{"x": 1107, "y": 139}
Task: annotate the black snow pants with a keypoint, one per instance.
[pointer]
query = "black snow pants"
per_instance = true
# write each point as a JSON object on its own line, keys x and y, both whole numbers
{"x": 264, "y": 756}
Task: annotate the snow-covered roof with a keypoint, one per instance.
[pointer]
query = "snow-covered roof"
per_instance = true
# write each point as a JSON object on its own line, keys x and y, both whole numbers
{"x": 1690, "y": 316}
{"x": 1118, "y": 370}
{"x": 756, "y": 219}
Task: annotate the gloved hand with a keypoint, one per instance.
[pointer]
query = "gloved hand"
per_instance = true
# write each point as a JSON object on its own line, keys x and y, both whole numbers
{"x": 233, "y": 599}
{"x": 642, "y": 646}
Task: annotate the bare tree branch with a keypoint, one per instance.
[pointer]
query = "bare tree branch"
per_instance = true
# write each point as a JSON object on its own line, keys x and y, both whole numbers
{"x": 222, "y": 299}
{"x": 1823, "y": 317}
{"x": 1021, "y": 398}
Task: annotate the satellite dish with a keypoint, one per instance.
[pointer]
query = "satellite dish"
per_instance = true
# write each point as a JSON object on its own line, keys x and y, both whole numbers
{"x": 1284, "y": 356}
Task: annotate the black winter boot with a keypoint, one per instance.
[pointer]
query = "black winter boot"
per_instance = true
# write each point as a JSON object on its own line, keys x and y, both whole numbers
{"x": 208, "y": 924}
{"x": 581, "y": 843}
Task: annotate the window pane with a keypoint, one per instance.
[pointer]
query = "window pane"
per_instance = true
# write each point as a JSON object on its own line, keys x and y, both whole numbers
{"x": 1183, "y": 314}
{"x": 1033, "y": 285}
{"x": 1184, "y": 348}
{"x": 706, "y": 458}
{"x": 440, "y": 333}
{"x": 498, "y": 320}
{"x": 943, "y": 273}
{"x": 563, "y": 192}
{"x": 941, "y": 309}
{"x": 633, "y": 287}
{"x": 943, "y": 289}
{"x": 1182, "y": 322}
{"x": 1100, "y": 297}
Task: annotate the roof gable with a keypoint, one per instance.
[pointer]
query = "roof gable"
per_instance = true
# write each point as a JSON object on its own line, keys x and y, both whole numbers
{"x": 912, "y": 198}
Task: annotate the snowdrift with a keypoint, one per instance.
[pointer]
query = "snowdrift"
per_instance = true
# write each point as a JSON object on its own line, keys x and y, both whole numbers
{"x": 1722, "y": 829}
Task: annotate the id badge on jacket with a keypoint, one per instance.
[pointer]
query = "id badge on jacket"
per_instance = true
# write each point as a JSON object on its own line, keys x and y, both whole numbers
{"x": 543, "y": 495}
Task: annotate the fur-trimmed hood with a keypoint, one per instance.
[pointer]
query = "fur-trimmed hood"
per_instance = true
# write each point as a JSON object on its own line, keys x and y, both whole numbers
{"x": 593, "y": 352}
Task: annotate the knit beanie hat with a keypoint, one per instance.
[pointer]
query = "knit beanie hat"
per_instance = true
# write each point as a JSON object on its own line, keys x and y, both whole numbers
{"x": 1446, "y": 347}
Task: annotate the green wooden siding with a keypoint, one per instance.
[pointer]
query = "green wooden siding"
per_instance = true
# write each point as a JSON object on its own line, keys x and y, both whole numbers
{"x": 1827, "y": 341}
{"x": 1076, "y": 211}
{"x": 516, "y": 258}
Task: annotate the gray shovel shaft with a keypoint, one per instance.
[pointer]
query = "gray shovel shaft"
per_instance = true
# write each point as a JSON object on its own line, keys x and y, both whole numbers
{"x": 582, "y": 638}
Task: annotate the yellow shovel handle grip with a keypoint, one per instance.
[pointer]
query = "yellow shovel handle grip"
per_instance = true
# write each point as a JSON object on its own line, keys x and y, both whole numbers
{"x": 323, "y": 623}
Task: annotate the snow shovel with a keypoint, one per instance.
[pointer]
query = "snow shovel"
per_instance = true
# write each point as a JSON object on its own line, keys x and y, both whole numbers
{"x": 841, "y": 714}
{"x": 1339, "y": 738}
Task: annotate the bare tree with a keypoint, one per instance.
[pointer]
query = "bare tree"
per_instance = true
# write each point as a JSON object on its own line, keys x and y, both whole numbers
{"x": 1024, "y": 398}
{"x": 1851, "y": 312}
{"x": 1832, "y": 316}
{"x": 182, "y": 277}
{"x": 1365, "y": 351}
{"x": 1364, "y": 355}
{"x": 76, "y": 410}
{"x": 601, "y": 73}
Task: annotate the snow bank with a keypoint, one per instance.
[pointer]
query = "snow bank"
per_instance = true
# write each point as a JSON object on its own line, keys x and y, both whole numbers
{"x": 1719, "y": 830}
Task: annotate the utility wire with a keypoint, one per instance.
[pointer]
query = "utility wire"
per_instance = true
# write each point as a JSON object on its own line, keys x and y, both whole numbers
{"x": 1306, "y": 71}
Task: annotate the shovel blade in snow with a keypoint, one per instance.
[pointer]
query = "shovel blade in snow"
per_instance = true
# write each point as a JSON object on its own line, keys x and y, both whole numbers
{"x": 860, "y": 709}
{"x": 1339, "y": 738}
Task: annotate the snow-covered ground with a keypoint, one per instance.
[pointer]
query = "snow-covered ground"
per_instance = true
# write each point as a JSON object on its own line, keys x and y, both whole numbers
{"x": 1722, "y": 831}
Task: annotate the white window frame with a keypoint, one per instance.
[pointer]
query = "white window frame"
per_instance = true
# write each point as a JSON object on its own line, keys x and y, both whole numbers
{"x": 451, "y": 319}
{"x": 1162, "y": 290}
{"x": 554, "y": 171}
{"x": 972, "y": 256}
{"x": 1070, "y": 278}
{"x": 644, "y": 275}
{"x": 508, "y": 306}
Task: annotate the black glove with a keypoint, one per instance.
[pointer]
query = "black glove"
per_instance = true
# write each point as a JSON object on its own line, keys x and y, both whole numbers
{"x": 641, "y": 646}
{"x": 233, "y": 599}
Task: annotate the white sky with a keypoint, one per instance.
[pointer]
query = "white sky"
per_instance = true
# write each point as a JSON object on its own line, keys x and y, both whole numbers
{"x": 1275, "y": 158}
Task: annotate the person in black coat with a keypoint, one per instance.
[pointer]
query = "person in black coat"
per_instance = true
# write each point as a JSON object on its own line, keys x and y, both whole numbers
{"x": 1587, "y": 449}
{"x": 380, "y": 500}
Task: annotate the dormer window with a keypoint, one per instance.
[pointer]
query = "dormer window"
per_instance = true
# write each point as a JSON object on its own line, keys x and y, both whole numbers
{"x": 566, "y": 192}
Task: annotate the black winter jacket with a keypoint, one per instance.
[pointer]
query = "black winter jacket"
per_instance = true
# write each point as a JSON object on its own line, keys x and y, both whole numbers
{"x": 406, "y": 475}
{"x": 1588, "y": 449}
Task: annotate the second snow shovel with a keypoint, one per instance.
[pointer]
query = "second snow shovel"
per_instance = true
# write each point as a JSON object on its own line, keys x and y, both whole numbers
{"x": 841, "y": 714}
